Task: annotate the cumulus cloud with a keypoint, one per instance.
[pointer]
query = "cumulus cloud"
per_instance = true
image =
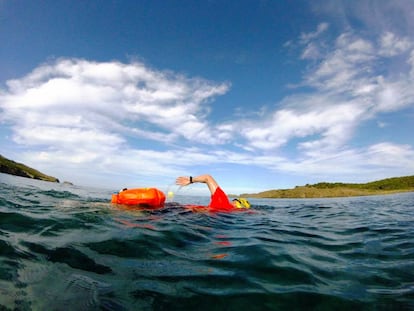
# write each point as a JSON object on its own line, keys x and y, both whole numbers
{"x": 349, "y": 86}
{"x": 77, "y": 96}
{"x": 324, "y": 125}
{"x": 82, "y": 90}
{"x": 347, "y": 89}
{"x": 85, "y": 112}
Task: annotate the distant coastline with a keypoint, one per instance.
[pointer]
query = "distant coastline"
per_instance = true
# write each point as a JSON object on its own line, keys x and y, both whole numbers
{"x": 319, "y": 190}
{"x": 18, "y": 169}
{"x": 332, "y": 190}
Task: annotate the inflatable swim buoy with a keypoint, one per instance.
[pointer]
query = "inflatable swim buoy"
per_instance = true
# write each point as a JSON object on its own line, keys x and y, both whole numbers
{"x": 151, "y": 197}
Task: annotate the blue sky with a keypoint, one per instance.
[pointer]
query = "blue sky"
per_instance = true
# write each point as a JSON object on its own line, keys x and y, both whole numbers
{"x": 260, "y": 94}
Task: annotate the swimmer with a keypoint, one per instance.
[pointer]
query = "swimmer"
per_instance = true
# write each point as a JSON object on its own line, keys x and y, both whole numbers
{"x": 219, "y": 200}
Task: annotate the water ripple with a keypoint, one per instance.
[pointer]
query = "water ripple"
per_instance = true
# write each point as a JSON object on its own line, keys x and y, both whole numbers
{"x": 66, "y": 248}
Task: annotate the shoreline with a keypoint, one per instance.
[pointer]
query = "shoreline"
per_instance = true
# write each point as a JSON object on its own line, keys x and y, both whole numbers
{"x": 288, "y": 196}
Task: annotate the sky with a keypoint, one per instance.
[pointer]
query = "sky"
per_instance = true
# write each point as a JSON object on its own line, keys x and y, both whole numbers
{"x": 260, "y": 94}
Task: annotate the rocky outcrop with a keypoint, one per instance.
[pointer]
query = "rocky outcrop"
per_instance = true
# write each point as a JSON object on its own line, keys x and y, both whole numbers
{"x": 18, "y": 169}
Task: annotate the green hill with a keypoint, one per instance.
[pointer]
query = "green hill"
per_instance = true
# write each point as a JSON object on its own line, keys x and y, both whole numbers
{"x": 327, "y": 190}
{"x": 13, "y": 168}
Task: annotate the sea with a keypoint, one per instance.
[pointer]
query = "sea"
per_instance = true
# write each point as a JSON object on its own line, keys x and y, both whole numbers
{"x": 65, "y": 247}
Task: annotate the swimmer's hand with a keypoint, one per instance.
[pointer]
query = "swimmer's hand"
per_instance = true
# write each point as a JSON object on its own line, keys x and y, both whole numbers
{"x": 206, "y": 179}
{"x": 183, "y": 181}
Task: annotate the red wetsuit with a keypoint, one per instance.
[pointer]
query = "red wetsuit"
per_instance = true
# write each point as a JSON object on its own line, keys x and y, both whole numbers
{"x": 220, "y": 201}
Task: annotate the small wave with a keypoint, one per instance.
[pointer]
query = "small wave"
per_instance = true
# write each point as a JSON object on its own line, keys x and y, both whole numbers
{"x": 66, "y": 248}
{"x": 60, "y": 194}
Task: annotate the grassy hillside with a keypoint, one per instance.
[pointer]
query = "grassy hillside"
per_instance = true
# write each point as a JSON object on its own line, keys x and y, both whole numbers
{"x": 13, "y": 168}
{"x": 326, "y": 190}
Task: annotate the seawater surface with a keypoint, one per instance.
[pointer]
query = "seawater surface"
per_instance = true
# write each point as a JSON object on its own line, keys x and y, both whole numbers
{"x": 66, "y": 248}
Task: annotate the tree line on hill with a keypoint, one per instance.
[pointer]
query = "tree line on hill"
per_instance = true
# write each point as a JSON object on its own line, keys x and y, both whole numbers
{"x": 338, "y": 189}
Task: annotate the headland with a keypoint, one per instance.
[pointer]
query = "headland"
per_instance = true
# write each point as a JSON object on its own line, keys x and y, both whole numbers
{"x": 18, "y": 169}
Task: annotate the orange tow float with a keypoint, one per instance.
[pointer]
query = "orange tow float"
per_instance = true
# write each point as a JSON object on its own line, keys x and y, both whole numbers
{"x": 151, "y": 197}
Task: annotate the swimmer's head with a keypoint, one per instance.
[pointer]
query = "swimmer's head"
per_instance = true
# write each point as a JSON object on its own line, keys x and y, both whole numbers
{"x": 241, "y": 203}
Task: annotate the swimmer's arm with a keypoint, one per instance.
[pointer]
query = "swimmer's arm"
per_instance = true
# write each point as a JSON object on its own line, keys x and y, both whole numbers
{"x": 206, "y": 179}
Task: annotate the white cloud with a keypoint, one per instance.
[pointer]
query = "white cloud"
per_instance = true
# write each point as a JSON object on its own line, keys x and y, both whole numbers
{"x": 104, "y": 97}
{"x": 374, "y": 17}
{"x": 410, "y": 62}
{"x": 348, "y": 88}
{"x": 350, "y": 58}
{"x": 89, "y": 114}
{"x": 394, "y": 95}
{"x": 391, "y": 45}
{"x": 306, "y": 37}
{"x": 313, "y": 47}
{"x": 333, "y": 124}
{"x": 344, "y": 164}
{"x": 381, "y": 153}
